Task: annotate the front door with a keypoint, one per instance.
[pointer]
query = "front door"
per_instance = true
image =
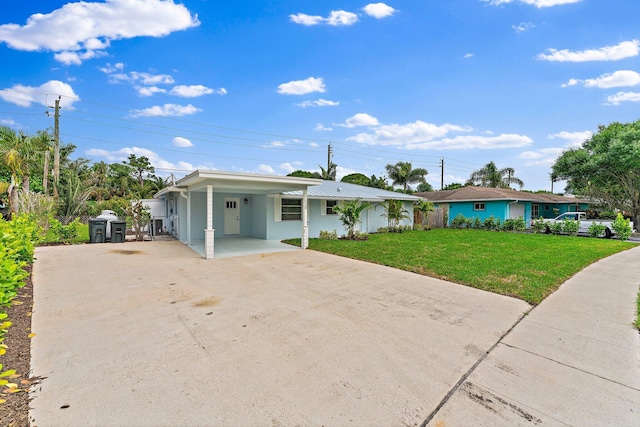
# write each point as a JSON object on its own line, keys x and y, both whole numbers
{"x": 231, "y": 216}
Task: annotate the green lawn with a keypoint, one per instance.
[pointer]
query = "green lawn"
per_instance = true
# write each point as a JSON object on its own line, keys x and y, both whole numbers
{"x": 525, "y": 266}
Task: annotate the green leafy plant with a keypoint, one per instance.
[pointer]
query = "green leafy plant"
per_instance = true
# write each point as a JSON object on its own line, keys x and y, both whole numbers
{"x": 491, "y": 223}
{"x": 621, "y": 227}
{"x": 329, "y": 235}
{"x": 459, "y": 221}
{"x": 349, "y": 214}
{"x": 65, "y": 233}
{"x": 596, "y": 229}
{"x": 570, "y": 226}
{"x": 556, "y": 228}
{"x": 539, "y": 225}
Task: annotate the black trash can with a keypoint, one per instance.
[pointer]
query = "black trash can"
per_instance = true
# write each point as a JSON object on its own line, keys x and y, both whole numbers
{"x": 118, "y": 231}
{"x": 97, "y": 230}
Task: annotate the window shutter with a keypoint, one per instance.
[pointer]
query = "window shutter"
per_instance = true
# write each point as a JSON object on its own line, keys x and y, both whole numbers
{"x": 323, "y": 207}
{"x": 277, "y": 206}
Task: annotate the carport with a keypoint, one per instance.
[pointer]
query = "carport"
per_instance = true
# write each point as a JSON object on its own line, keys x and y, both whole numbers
{"x": 206, "y": 208}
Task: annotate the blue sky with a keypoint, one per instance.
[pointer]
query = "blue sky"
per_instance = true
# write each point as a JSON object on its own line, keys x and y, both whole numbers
{"x": 264, "y": 87}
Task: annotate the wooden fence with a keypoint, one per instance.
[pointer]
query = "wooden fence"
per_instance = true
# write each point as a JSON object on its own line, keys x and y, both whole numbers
{"x": 434, "y": 219}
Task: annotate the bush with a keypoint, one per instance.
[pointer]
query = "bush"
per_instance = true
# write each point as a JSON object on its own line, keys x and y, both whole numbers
{"x": 65, "y": 233}
{"x": 459, "y": 221}
{"x": 539, "y": 226}
{"x": 475, "y": 222}
{"x": 383, "y": 230}
{"x": 621, "y": 227}
{"x": 420, "y": 227}
{"x": 514, "y": 224}
{"x": 329, "y": 235}
{"x": 570, "y": 226}
{"x": 556, "y": 228}
{"x": 596, "y": 230}
{"x": 492, "y": 223}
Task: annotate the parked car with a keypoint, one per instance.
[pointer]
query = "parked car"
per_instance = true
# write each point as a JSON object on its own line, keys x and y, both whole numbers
{"x": 584, "y": 223}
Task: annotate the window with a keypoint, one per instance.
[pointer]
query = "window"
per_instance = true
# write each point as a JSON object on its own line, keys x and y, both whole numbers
{"x": 546, "y": 207}
{"x": 478, "y": 206}
{"x": 535, "y": 211}
{"x": 291, "y": 209}
{"x": 231, "y": 204}
{"x": 330, "y": 205}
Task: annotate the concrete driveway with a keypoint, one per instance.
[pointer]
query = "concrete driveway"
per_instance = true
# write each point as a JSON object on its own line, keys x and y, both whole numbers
{"x": 150, "y": 334}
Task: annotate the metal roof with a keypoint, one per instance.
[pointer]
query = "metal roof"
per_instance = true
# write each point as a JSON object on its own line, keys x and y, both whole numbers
{"x": 344, "y": 191}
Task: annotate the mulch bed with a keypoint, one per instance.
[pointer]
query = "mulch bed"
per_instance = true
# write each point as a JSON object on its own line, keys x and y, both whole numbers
{"x": 15, "y": 411}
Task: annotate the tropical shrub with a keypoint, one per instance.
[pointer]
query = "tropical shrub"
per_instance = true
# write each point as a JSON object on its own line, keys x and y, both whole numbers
{"x": 621, "y": 227}
{"x": 570, "y": 226}
{"x": 539, "y": 226}
{"x": 459, "y": 221}
{"x": 476, "y": 223}
{"x": 349, "y": 214}
{"x": 514, "y": 224}
{"x": 492, "y": 223}
{"x": 596, "y": 230}
{"x": 65, "y": 233}
{"x": 329, "y": 235}
{"x": 556, "y": 228}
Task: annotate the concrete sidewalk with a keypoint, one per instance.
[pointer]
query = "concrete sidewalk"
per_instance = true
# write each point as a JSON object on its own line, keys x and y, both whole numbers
{"x": 573, "y": 360}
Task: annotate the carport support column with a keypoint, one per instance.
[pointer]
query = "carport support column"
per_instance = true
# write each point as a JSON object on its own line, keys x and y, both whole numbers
{"x": 209, "y": 231}
{"x": 305, "y": 220}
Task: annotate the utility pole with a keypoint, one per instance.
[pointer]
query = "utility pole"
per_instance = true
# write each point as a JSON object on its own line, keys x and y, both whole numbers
{"x": 441, "y": 173}
{"x": 329, "y": 154}
{"x": 56, "y": 147}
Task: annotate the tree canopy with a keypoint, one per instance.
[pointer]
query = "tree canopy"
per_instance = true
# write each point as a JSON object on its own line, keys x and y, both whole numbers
{"x": 606, "y": 167}
{"x": 490, "y": 176}
{"x": 403, "y": 174}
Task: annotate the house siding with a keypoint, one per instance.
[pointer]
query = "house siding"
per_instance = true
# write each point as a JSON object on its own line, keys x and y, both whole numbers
{"x": 500, "y": 209}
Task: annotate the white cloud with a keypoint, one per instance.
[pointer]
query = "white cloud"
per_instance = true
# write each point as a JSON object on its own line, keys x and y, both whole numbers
{"x": 360, "y": 119}
{"x": 266, "y": 169}
{"x": 149, "y": 90}
{"x": 608, "y": 53}
{"x": 401, "y": 135}
{"x": 622, "y": 78}
{"x": 179, "y": 141}
{"x": 166, "y": 110}
{"x": 468, "y": 142}
{"x": 536, "y": 3}
{"x": 321, "y": 127}
{"x": 623, "y": 97}
{"x": 289, "y": 167}
{"x": 302, "y": 87}
{"x": 318, "y": 103}
{"x": 547, "y": 156}
{"x": 335, "y": 18}
{"x": 163, "y": 167}
{"x": 195, "y": 91}
{"x": 82, "y": 30}
{"x": 116, "y": 74}
{"x": 8, "y": 122}
{"x": 378, "y": 10}
{"x": 468, "y": 55}
{"x": 523, "y": 26}
{"x": 574, "y": 139}
{"x": 44, "y": 94}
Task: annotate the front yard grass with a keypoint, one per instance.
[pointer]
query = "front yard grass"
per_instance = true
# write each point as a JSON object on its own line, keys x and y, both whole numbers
{"x": 525, "y": 266}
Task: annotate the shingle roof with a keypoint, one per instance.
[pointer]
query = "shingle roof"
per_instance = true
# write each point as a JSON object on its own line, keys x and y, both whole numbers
{"x": 345, "y": 191}
{"x": 471, "y": 193}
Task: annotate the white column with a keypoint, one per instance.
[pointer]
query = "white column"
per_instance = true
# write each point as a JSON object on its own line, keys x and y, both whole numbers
{"x": 188, "y": 218}
{"x": 305, "y": 220}
{"x": 209, "y": 231}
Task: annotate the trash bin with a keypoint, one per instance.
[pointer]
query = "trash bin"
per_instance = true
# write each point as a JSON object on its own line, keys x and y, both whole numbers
{"x": 97, "y": 230}
{"x": 118, "y": 231}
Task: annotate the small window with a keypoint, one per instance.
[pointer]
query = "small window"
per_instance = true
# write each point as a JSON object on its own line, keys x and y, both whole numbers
{"x": 478, "y": 206}
{"x": 330, "y": 205}
{"x": 535, "y": 211}
{"x": 291, "y": 209}
{"x": 231, "y": 204}
{"x": 546, "y": 207}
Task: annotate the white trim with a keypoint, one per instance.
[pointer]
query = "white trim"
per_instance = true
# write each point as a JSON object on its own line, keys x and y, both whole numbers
{"x": 323, "y": 207}
{"x": 277, "y": 208}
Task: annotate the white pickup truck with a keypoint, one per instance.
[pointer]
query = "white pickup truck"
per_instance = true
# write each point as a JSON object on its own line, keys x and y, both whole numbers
{"x": 584, "y": 223}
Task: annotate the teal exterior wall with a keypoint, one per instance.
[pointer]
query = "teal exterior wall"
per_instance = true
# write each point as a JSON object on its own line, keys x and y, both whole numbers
{"x": 546, "y": 209}
{"x": 500, "y": 209}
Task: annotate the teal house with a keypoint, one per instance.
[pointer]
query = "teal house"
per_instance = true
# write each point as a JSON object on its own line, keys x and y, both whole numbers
{"x": 482, "y": 202}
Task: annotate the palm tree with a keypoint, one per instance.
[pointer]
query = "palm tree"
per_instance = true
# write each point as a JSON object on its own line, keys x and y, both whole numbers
{"x": 16, "y": 152}
{"x": 395, "y": 213}
{"x": 424, "y": 207}
{"x": 490, "y": 176}
{"x": 403, "y": 174}
{"x": 329, "y": 174}
{"x": 349, "y": 214}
